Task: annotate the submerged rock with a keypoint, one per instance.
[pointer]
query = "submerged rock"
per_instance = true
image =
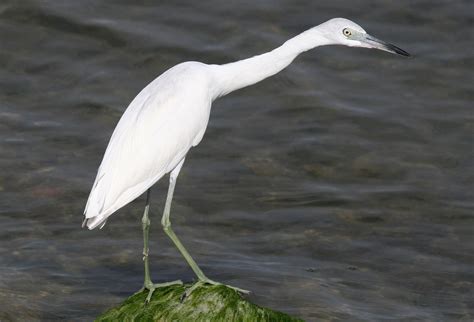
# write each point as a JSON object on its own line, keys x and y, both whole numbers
{"x": 206, "y": 303}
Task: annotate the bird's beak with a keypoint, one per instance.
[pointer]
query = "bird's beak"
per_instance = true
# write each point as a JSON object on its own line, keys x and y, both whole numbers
{"x": 373, "y": 42}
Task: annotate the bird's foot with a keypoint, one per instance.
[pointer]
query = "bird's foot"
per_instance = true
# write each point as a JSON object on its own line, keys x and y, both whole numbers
{"x": 151, "y": 287}
{"x": 209, "y": 281}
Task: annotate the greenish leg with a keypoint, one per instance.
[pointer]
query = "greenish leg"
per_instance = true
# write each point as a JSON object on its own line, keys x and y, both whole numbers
{"x": 148, "y": 284}
{"x": 165, "y": 221}
{"x": 146, "y": 229}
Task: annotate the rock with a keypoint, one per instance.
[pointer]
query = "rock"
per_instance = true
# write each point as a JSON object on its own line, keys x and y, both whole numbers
{"x": 206, "y": 303}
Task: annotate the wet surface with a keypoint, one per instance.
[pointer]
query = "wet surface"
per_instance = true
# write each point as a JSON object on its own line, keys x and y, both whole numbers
{"x": 339, "y": 189}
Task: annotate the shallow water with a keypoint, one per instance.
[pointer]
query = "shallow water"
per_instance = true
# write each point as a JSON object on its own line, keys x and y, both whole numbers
{"x": 340, "y": 189}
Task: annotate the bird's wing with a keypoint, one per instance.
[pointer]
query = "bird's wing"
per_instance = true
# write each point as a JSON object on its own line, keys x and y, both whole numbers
{"x": 152, "y": 137}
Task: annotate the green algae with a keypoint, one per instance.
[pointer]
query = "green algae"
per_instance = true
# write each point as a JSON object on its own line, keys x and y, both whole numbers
{"x": 206, "y": 303}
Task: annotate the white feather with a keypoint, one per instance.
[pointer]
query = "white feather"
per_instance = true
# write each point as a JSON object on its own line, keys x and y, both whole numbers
{"x": 170, "y": 115}
{"x": 140, "y": 150}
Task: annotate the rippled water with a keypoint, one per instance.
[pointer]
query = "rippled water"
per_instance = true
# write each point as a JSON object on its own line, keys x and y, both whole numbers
{"x": 341, "y": 189}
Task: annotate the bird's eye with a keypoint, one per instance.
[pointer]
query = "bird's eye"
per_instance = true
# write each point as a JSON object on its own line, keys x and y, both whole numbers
{"x": 346, "y": 32}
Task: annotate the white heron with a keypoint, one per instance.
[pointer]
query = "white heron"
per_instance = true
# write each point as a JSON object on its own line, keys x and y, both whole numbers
{"x": 169, "y": 117}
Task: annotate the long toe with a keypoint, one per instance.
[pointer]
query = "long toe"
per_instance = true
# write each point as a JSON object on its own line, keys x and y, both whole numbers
{"x": 150, "y": 293}
{"x": 209, "y": 281}
{"x": 200, "y": 283}
{"x": 151, "y": 288}
{"x": 191, "y": 289}
{"x": 240, "y": 290}
{"x": 177, "y": 282}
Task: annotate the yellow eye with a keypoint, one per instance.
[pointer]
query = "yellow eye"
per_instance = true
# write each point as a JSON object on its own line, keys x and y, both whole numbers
{"x": 346, "y": 32}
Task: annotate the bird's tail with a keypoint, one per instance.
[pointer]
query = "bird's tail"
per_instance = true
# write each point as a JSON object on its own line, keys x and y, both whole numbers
{"x": 94, "y": 222}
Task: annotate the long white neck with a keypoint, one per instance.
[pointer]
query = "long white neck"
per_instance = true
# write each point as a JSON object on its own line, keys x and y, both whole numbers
{"x": 239, "y": 74}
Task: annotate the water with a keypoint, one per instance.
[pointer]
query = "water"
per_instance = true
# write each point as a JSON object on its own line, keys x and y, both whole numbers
{"x": 341, "y": 189}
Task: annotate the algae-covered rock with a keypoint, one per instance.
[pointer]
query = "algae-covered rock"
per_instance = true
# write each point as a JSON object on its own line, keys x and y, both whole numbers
{"x": 206, "y": 303}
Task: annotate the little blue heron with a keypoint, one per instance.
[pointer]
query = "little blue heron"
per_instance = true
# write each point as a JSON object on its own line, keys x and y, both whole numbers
{"x": 170, "y": 115}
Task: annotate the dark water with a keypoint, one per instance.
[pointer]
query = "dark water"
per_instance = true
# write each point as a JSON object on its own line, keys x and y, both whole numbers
{"x": 341, "y": 189}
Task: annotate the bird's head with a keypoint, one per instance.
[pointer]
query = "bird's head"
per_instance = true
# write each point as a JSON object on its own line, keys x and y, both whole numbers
{"x": 340, "y": 31}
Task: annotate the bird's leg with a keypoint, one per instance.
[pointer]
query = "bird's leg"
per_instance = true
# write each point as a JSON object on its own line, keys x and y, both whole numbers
{"x": 146, "y": 229}
{"x": 165, "y": 221}
{"x": 148, "y": 284}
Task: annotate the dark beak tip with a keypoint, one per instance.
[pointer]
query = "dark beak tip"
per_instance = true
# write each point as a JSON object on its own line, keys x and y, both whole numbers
{"x": 388, "y": 47}
{"x": 403, "y": 53}
{"x": 397, "y": 50}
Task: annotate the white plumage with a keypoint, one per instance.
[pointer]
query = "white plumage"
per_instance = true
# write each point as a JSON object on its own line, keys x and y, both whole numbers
{"x": 170, "y": 115}
{"x": 140, "y": 151}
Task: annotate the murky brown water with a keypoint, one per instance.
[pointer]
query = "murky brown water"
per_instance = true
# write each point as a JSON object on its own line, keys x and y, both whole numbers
{"x": 341, "y": 189}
